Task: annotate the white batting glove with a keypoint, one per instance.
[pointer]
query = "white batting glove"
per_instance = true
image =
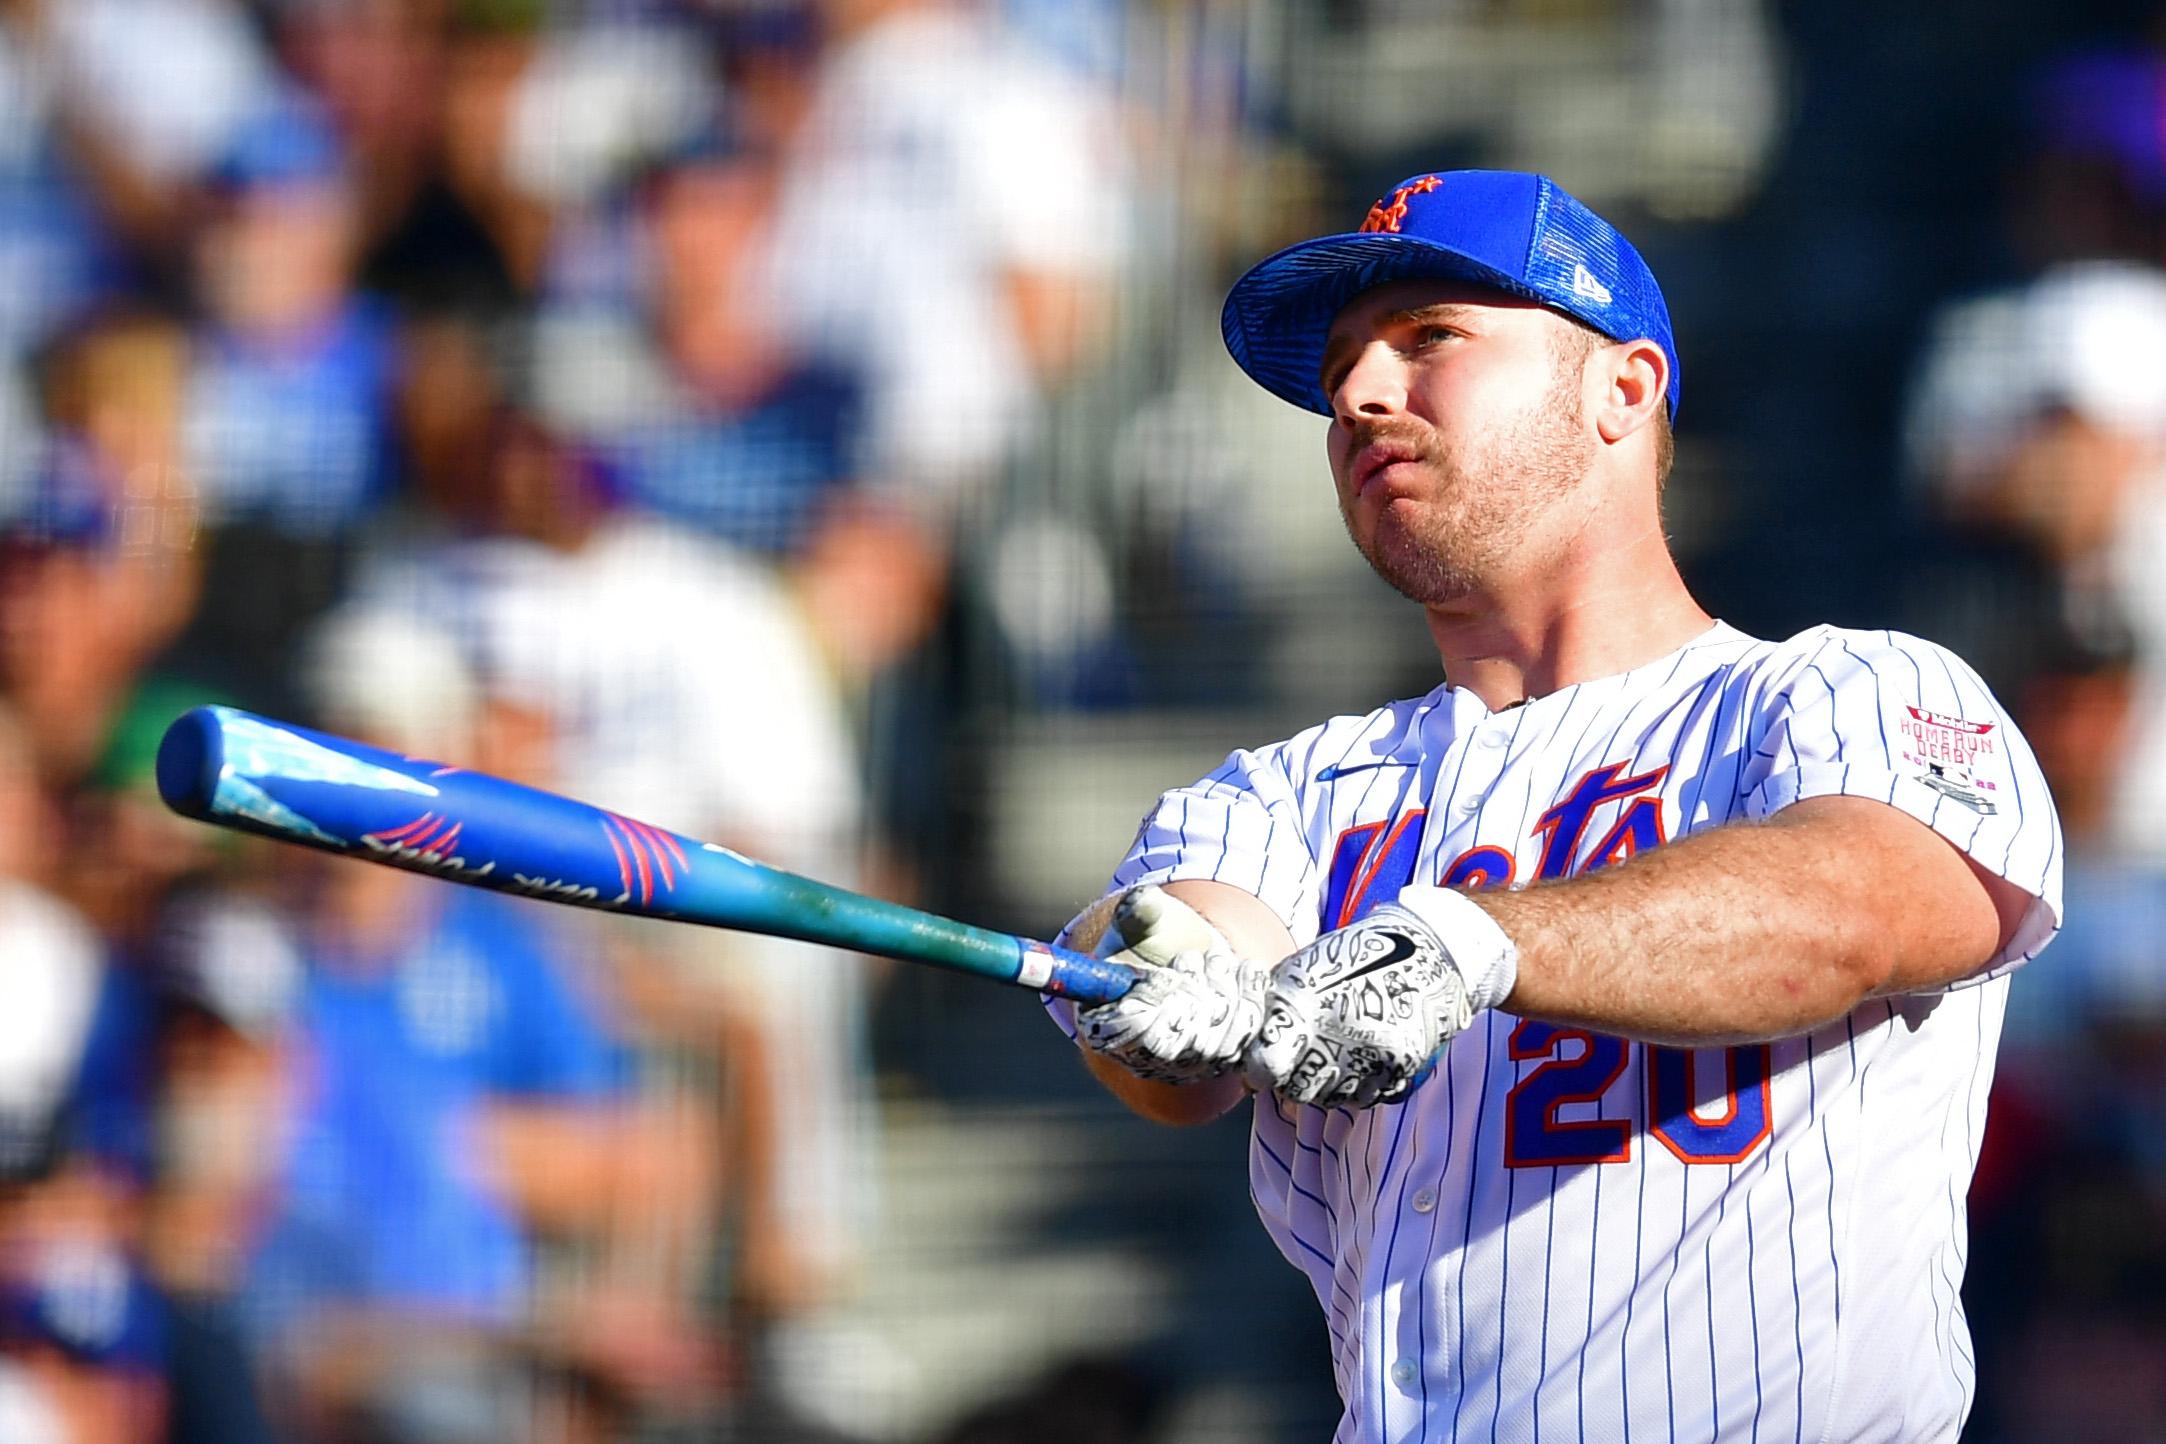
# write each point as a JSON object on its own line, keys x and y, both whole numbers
{"x": 1358, "y": 1016}
{"x": 1196, "y": 1004}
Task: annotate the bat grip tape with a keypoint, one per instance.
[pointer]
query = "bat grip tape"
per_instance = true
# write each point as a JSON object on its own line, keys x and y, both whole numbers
{"x": 1076, "y": 976}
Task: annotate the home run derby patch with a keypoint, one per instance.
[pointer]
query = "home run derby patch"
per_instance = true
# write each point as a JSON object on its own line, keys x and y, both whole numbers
{"x": 1945, "y": 753}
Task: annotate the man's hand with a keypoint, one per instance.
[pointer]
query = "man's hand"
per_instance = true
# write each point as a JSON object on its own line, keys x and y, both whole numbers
{"x": 1357, "y": 1016}
{"x": 1196, "y": 1004}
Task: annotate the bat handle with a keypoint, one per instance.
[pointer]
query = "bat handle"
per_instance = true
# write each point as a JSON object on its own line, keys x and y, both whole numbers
{"x": 1078, "y": 977}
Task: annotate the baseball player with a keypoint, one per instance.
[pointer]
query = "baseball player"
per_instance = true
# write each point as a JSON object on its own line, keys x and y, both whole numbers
{"x": 1619, "y": 1016}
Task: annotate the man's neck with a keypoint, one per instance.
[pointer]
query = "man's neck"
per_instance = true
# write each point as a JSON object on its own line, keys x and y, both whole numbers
{"x": 1575, "y": 623}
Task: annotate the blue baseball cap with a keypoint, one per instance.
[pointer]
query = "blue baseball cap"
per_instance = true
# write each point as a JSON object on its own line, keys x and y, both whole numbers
{"x": 287, "y": 141}
{"x": 1517, "y": 232}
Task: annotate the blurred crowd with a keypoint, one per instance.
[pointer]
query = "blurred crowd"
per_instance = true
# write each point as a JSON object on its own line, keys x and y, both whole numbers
{"x": 587, "y": 394}
{"x": 2035, "y": 450}
{"x": 748, "y": 414}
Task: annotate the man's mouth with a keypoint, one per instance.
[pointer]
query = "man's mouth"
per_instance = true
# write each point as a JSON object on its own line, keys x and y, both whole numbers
{"x": 1373, "y": 460}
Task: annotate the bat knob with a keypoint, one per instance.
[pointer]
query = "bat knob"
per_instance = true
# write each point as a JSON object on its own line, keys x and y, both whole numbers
{"x": 190, "y": 757}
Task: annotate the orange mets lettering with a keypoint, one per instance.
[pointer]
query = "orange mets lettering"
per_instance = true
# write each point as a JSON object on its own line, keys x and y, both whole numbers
{"x": 1383, "y": 217}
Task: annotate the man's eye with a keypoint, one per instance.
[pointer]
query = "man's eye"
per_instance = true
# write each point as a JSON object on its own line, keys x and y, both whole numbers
{"x": 1432, "y": 335}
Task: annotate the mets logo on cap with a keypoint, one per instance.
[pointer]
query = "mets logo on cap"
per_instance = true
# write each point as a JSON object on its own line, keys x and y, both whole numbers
{"x": 1387, "y": 215}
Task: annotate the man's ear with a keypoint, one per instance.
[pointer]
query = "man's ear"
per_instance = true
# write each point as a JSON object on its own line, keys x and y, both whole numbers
{"x": 1634, "y": 379}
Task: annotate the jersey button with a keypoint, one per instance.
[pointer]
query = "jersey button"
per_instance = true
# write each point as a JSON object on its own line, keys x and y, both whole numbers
{"x": 1424, "y": 1200}
{"x": 1404, "y": 1373}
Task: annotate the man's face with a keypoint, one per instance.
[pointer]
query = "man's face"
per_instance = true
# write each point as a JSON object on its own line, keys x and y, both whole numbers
{"x": 1456, "y": 432}
{"x": 278, "y": 257}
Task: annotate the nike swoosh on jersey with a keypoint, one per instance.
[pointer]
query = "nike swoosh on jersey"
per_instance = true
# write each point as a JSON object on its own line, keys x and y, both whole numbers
{"x": 1334, "y": 772}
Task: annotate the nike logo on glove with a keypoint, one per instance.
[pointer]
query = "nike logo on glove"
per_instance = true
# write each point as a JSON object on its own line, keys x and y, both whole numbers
{"x": 1402, "y": 948}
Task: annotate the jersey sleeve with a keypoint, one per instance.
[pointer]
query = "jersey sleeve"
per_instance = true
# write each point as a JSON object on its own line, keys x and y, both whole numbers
{"x": 1905, "y": 721}
{"x": 1241, "y": 826}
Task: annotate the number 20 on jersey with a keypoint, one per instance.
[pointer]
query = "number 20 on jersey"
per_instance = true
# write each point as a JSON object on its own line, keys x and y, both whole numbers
{"x": 1575, "y": 1068}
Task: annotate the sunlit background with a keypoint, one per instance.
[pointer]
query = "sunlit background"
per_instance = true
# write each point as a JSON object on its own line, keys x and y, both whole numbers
{"x": 803, "y": 423}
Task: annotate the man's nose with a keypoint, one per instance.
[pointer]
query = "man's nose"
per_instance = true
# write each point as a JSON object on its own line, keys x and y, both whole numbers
{"x": 1374, "y": 386}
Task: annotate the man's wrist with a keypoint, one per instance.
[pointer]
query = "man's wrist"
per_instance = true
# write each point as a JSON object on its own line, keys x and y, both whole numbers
{"x": 1486, "y": 956}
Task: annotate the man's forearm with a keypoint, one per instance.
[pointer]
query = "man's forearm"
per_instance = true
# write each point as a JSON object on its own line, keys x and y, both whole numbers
{"x": 1179, "y": 1105}
{"x": 1750, "y": 932}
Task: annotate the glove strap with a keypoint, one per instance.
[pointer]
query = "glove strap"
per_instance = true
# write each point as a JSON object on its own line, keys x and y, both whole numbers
{"x": 1487, "y": 958}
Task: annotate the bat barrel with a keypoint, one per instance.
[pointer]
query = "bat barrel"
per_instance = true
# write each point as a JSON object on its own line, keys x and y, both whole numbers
{"x": 189, "y": 759}
{"x": 237, "y": 770}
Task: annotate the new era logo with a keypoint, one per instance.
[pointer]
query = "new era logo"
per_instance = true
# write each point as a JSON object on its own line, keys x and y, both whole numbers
{"x": 1584, "y": 284}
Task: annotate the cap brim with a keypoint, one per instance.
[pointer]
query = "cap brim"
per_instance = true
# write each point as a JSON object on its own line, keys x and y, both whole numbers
{"x": 1278, "y": 315}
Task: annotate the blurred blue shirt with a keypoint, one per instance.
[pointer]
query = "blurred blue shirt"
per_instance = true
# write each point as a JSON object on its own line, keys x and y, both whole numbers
{"x": 756, "y": 477}
{"x": 296, "y": 435}
{"x": 383, "y": 1203}
{"x": 2108, "y": 963}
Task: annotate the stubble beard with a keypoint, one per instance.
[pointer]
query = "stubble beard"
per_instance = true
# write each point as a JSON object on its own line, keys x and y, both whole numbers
{"x": 1487, "y": 500}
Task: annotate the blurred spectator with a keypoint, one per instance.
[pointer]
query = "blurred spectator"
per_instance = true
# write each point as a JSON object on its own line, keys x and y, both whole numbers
{"x": 2039, "y": 420}
{"x": 135, "y": 861}
{"x": 953, "y": 215}
{"x": 601, "y": 100}
{"x": 398, "y": 1253}
{"x": 769, "y": 60}
{"x": 82, "y": 1346}
{"x": 81, "y": 1330}
{"x": 2093, "y": 186}
{"x": 485, "y": 72}
{"x": 382, "y": 69}
{"x": 287, "y": 411}
{"x": 637, "y": 638}
{"x": 99, "y": 569}
{"x": 290, "y": 399}
{"x": 140, "y": 98}
{"x": 52, "y": 968}
{"x": 682, "y": 688}
{"x": 709, "y": 415}
{"x": 2073, "y": 1180}
{"x": 459, "y": 1100}
{"x": 55, "y": 256}
{"x": 115, "y": 389}
{"x": 166, "y": 83}
{"x": 2040, "y": 417}
{"x": 711, "y": 411}
{"x": 228, "y": 974}
{"x": 175, "y": 1100}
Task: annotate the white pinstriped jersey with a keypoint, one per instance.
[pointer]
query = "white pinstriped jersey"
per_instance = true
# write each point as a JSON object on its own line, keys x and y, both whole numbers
{"x": 1567, "y": 1236}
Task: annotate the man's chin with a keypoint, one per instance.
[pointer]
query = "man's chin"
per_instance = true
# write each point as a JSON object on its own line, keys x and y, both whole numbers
{"x": 1418, "y": 575}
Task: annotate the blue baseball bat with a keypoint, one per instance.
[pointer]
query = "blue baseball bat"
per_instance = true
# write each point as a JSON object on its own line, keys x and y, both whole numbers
{"x": 238, "y": 770}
